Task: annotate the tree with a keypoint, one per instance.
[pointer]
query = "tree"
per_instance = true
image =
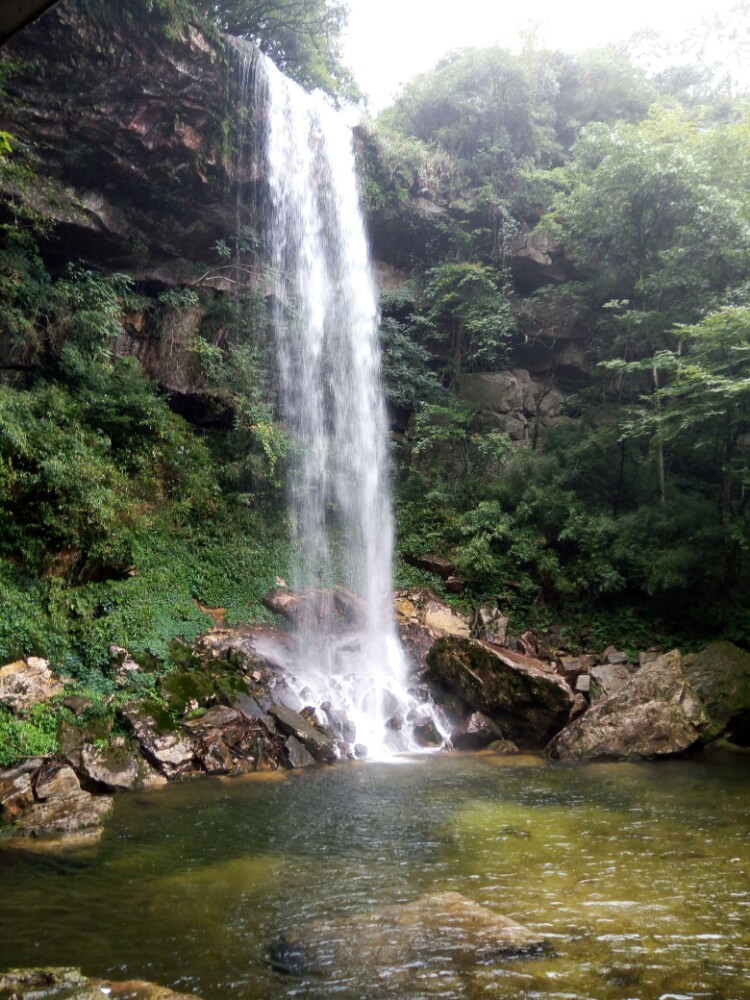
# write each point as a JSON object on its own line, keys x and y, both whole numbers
{"x": 704, "y": 406}
{"x": 301, "y": 36}
{"x": 478, "y": 105}
{"x": 469, "y": 309}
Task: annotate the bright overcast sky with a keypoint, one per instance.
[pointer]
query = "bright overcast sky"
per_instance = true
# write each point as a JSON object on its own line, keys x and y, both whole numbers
{"x": 390, "y": 41}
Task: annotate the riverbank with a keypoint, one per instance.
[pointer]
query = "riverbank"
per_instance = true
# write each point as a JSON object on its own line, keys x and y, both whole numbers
{"x": 234, "y": 706}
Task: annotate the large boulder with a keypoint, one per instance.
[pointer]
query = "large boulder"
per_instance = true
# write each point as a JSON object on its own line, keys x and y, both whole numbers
{"x": 669, "y": 705}
{"x": 440, "y": 931}
{"x": 656, "y": 713}
{"x": 522, "y": 695}
{"x": 61, "y": 807}
{"x": 421, "y": 618}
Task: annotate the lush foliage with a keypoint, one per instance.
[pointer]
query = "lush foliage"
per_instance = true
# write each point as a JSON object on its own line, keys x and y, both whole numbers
{"x": 632, "y": 507}
{"x": 301, "y": 36}
{"x": 116, "y": 517}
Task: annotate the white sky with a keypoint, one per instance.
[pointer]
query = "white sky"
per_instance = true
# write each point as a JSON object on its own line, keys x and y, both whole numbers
{"x": 390, "y": 41}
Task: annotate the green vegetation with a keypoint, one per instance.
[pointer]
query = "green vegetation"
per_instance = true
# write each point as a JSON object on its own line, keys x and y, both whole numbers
{"x": 116, "y": 516}
{"x": 620, "y": 510}
{"x": 624, "y": 513}
{"x": 302, "y": 37}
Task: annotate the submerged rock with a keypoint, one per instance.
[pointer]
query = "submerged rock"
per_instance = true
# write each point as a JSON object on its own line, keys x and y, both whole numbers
{"x": 437, "y": 931}
{"x": 37, "y": 984}
{"x": 521, "y": 695}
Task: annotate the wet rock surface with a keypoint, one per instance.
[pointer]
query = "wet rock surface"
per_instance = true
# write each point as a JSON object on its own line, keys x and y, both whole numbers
{"x": 523, "y": 696}
{"x": 317, "y": 740}
{"x": 60, "y": 806}
{"x": 439, "y": 930}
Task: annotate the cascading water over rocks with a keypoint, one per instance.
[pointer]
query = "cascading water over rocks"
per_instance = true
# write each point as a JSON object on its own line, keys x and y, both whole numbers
{"x": 325, "y": 319}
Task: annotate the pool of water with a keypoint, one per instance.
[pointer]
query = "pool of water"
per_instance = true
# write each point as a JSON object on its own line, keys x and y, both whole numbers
{"x": 637, "y": 874}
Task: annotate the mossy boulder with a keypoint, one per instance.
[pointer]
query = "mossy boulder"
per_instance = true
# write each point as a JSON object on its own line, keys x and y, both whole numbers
{"x": 720, "y": 676}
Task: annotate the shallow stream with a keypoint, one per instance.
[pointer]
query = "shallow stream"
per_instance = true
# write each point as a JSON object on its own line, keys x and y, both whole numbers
{"x": 637, "y": 874}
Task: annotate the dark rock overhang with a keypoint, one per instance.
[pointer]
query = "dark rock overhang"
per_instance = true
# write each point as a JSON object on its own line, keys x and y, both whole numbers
{"x": 16, "y": 14}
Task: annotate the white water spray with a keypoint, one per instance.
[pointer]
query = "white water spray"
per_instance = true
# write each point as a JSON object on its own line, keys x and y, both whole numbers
{"x": 325, "y": 318}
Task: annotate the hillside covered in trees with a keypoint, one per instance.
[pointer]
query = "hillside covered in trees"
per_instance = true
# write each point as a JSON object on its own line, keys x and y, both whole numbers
{"x": 583, "y": 227}
{"x": 563, "y": 244}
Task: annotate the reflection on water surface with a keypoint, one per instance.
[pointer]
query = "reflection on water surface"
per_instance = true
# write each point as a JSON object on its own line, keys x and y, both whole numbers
{"x": 635, "y": 873}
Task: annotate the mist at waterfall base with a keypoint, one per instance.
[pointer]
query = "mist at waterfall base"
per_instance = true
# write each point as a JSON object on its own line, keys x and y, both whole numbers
{"x": 350, "y": 668}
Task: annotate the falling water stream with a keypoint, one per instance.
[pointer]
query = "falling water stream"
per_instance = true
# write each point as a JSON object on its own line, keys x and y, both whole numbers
{"x": 635, "y": 874}
{"x": 326, "y": 327}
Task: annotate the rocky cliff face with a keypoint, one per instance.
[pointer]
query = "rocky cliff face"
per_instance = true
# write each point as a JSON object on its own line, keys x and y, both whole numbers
{"x": 129, "y": 124}
{"x": 128, "y": 132}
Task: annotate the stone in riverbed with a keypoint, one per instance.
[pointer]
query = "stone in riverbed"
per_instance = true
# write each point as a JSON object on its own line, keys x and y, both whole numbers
{"x": 38, "y": 984}
{"x": 437, "y": 931}
{"x": 314, "y": 738}
{"x": 62, "y": 807}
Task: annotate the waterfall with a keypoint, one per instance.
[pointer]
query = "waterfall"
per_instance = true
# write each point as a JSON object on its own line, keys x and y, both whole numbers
{"x": 350, "y": 665}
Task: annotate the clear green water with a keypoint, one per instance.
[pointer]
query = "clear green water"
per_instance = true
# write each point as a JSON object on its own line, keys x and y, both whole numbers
{"x": 638, "y": 873}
